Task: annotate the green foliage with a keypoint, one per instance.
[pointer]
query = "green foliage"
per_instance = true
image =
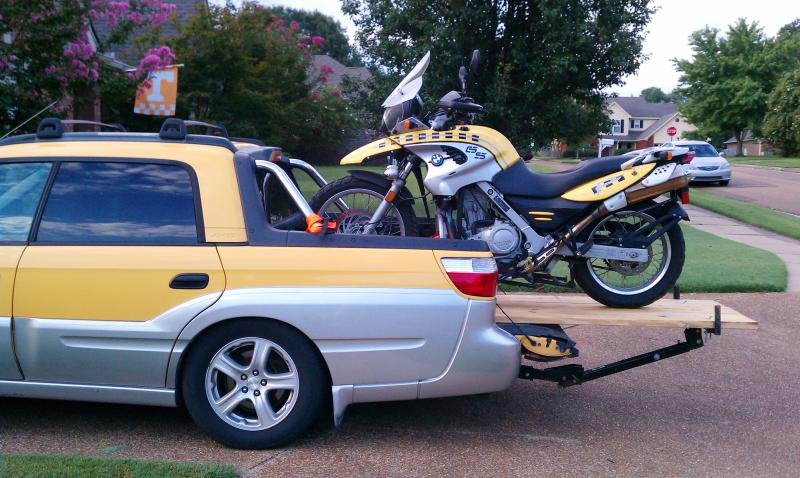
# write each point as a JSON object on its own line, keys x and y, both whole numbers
{"x": 543, "y": 64}
{"x": 759, "y": 216}
{"x": 337, "y": 44}
{"x": 247, "y": 69}
{"x": 728, "y": 80}
{"x": 655, "y": 94}
{"x": 782, "y": 121}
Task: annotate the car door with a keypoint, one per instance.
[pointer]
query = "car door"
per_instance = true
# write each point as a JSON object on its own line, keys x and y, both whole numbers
{"x": 116, "y": 267}
{"x": 21, "y": 186}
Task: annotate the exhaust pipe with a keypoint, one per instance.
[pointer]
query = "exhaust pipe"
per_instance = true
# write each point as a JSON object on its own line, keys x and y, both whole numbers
{"x": 673, "y": 184}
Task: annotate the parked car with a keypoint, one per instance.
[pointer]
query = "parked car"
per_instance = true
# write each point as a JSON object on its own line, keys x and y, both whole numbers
{"x": 708, "y": 164}
{"x": 144, "y": 270}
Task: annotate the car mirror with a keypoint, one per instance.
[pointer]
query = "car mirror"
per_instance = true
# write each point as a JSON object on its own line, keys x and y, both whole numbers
{"x": 722, "y": 154}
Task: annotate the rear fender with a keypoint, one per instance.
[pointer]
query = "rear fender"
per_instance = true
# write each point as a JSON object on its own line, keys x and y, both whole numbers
{"x": 381, "y": 181}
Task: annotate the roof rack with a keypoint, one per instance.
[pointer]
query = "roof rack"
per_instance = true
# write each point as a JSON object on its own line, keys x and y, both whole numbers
{"x": 53, "y": 128}
{"x": 209, "y": 126}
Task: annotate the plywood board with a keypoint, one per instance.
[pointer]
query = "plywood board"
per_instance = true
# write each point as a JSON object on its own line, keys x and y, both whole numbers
{"x": 568, "y": 309}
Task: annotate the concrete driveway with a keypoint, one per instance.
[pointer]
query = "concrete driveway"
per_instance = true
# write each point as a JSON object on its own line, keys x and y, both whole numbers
{"x": 773, "y": 188}
{"x": 727, "y": 409}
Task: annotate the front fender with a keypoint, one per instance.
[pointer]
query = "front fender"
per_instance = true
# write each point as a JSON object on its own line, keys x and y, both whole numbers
{"x": 371, "y": 150}
{"x": 380, "y": 180}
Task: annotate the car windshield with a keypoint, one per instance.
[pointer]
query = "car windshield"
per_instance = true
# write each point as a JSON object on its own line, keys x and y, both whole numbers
{"x": 701, "y": 150}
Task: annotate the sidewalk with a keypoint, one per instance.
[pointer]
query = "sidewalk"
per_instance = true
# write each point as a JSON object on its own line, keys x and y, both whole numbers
{"x": 787, "y": 249}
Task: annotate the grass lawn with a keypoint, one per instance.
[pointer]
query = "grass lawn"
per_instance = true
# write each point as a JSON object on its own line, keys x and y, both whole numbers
{"x": 759, "y": 216}
{"x": 776, "y": 162}
{"x": 13, "y": 466}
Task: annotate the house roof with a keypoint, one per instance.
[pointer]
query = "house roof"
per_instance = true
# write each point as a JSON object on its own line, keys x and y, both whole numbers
{"x": 748, "y": 136}
{"x": 638, "y": 107}
{"x": 339, "y": 70}
{"x": 126, "y": 52}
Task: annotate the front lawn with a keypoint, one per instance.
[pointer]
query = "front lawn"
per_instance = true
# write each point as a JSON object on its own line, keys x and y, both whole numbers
{"x": 771, "y": 161}
{"x": 753, "y": 214}
{"x": 34, "y": 466}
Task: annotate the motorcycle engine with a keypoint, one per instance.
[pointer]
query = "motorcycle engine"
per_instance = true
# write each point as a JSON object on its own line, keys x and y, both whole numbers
{"x": 481, "y": 222}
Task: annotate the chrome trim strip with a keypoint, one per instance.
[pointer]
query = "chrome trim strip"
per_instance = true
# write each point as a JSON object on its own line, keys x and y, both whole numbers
{"x": 159, "y": 397}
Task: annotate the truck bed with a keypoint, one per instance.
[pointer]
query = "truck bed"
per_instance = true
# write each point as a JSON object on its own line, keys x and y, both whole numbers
{"x": 570, "y": 309}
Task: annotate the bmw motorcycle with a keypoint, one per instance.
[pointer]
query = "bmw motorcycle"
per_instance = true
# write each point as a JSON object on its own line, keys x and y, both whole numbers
{"x": 612, "y": 221}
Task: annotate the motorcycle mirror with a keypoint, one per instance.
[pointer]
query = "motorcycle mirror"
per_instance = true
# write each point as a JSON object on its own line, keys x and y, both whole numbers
{"x": 476, "y": 59}
{"x": 462, "y": 75}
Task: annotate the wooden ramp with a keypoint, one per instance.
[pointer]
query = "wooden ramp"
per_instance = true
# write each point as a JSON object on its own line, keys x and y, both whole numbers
{"x": 568, "y": 309}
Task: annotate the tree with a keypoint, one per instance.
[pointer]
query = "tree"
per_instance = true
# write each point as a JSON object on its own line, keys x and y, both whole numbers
{"x": 313, "y": 23}
{"x": 782, "y": 121}
{"x": 728, "y": 80}
{"x": 543, "y": 62}
{"x": 51, "y": 58}
{"x": 248, "y": 69}
{"x": 655, "y": 95}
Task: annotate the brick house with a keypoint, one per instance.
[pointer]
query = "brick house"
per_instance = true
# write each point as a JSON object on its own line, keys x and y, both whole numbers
{"x": 751, "y": 146}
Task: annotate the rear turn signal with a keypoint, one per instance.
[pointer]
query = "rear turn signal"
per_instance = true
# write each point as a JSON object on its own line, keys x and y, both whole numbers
{"x": 687, "y": 158}
{"x": 685, "y": 196}
{"x": 476, "y": 276}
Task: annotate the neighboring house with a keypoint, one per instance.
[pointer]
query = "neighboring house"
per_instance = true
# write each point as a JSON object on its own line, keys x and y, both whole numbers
{"x": 335, "y": 71}
{"x": 751, "y": 146}
{"x": 639, "y": 124}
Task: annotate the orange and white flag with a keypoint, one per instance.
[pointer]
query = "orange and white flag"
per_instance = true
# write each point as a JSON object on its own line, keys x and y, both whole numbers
{"x": 158, "y": 98}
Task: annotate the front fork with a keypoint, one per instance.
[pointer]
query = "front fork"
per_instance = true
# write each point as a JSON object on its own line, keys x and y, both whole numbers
{"x": 397, "y": 185}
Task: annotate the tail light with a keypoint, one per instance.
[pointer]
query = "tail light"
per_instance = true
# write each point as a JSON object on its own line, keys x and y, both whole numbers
{"x": 476, "y": 276}
{"x": 687, "y": 158}
{"x": 685, "y": 196}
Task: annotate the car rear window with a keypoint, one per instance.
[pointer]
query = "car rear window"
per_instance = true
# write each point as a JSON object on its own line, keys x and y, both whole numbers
{"x": 21, "y": 186}
{"x": 701, "y": 150}
{"x": 130, "y": 203}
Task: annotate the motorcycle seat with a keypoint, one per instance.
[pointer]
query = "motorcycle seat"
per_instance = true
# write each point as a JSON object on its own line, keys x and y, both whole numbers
{"x": 518, "y": 180}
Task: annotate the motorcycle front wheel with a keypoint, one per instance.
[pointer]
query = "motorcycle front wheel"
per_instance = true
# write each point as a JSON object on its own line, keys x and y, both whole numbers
{"x": 351, "y": 202}
{"x": 627, "y": 284}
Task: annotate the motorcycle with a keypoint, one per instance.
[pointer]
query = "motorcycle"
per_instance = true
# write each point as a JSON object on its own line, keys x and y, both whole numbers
{"x": 604, "y": 219}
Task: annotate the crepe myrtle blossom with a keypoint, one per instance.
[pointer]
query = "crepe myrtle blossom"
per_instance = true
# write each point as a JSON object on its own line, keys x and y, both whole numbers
{"x": 155, "y": 59}
{"x": 80, "y": 65}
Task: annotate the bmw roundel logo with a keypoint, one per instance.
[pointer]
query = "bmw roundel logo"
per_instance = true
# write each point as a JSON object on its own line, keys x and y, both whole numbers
{"x": 437, "y": 160}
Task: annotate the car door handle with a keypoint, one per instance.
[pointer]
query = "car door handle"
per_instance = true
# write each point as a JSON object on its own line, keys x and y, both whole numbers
{"x": 189, "y": 281}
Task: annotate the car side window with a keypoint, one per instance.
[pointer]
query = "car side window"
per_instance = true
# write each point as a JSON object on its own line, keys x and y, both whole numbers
{"x": 21, "y": 186}
{"x": 122, "y": 203}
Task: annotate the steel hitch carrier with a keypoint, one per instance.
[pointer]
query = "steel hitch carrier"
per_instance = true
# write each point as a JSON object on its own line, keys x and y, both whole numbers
{"x": 575, "y": 374}
{"x": 549, "y": 312}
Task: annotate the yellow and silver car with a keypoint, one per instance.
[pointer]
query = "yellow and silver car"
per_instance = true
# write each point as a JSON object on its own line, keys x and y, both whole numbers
{"x": 142, "y": 269}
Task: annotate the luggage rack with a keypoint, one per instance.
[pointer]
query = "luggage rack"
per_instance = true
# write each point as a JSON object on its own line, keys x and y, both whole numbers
{"x": 696, "y": 317}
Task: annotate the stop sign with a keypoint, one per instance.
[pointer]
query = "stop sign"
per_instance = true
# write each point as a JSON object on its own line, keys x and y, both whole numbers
{"x": 672, "y": 131}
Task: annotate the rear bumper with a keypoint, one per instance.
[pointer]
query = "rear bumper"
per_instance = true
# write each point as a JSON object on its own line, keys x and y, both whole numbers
{"x": 486, "y": 359}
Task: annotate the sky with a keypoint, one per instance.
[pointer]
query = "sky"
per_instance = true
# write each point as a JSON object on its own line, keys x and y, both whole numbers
{"x": 668, "y": 30}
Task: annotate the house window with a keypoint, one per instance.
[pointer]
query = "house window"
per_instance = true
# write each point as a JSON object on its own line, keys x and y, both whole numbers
{"x": 637, "y": 124}
{"x": 618, "y": 126}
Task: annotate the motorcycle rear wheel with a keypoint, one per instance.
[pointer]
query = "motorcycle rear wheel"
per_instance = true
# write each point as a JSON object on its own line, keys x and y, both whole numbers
{"x": 606, "y": 281}
{"x": 362, "y": 198}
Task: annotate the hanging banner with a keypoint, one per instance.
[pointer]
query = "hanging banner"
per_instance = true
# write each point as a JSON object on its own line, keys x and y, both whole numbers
{"x": 159, "y": 98}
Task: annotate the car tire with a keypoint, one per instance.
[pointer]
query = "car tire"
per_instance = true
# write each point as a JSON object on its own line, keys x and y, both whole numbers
{"x": 278, "y": 394}
{"x": 724, "y": 183}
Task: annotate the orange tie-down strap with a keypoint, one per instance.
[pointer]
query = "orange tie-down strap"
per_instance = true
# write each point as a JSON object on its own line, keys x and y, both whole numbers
{"x": 315, "y": 224}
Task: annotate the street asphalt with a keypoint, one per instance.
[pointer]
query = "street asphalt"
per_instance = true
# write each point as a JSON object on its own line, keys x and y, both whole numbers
{"x": 727, "y": 409}
{"x": 772, "y": 188}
